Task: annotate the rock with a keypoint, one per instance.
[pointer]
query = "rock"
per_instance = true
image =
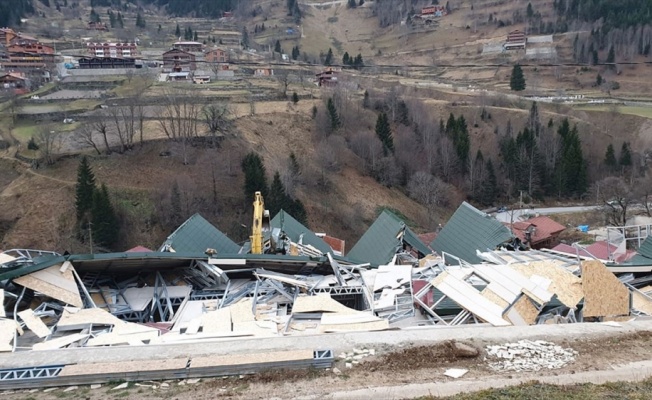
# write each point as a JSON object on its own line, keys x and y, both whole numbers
{"x": 182, "y": 383}
{"x": 96, "y": 386}
{"x": 196, "y": 380}
{"x": 372, "y": 352}
{"x": 33, "y": 391}
{"x": 70, "y": 388}
{"x": 357, "y": 351}
{"x": 465, "y": 350}
{"x": 121, "y": 386}
{"x": 348, "y": 365}
{"x": 165, "y": 385}
{"x": 48, "y": 390}
{"x": 358, "y": 357}
{"x": 337, "y": 371}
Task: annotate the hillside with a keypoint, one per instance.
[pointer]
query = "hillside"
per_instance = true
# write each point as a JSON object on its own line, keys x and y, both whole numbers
{"x": 416, "y": 74}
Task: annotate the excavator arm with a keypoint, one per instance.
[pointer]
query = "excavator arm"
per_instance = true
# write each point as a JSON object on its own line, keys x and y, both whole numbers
{"x": 258, "y": 224}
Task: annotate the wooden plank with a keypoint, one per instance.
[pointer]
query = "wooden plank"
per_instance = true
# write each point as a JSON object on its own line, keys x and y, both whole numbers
{"x": 340, "y": 319}
{"x": 60, "y": 342}
{"x": 193, "y": 326}
{"x": 604, "y": 294}
{"x": 84, "y": 317}
{"x": 252, "y": 358}
{"x": 53, "y": 283}
{"x": 242, "y": 311}
{"x": 124, "y": 367}
{"x": 641, "y": 303}
{"x": 494, "y": 298}
{"x": 514, "y": 281}
{"x": 470, "y": 299}
{"x": 113, "y": 338}
{"x": 34, "y": 323}
{"x": 522, "y": 312}
{"x": 564, "y": 284}
{"x": 319, "y": 303}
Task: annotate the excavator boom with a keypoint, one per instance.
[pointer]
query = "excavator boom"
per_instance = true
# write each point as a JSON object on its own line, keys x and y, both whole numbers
{"x": 257, "y": 227}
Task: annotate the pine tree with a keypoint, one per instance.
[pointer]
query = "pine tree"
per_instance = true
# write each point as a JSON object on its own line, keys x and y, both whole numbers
{"x": 610, "y": 158}
{"x": 120, "y": 20}
{"x": 277, "y": 47}
{"x": 384, "y": 133}
{"x": 293, "y": 165}
{"x": 611, "y": 57}
{"x": 365, "y": 100}
{"x": 295, "y": 98}
{"x": 277, "y": 199}
{"x": 245, "y": 38}
{"x": 403, "y": 114}
{"x": 95, "y": 17}
{"x": 572, "y": 174}
{"x": 625, "y": 160}
{"x": 195, "y": 37}
{"x": 345, "y": 59}
{"x": 255, "y": 176}
{"x": 177, "y": 32}
{"x": 84, "y": 191}
{"x": 329, "y": 57}
{"x": 517, "y": 80}
{"x": 489, "y": 188}
{"x": 106, "y": 225}
{"x": 140, "y": 21}
{"x": 599, "y": 80}
{"x": 462, "y": 142}
{"x": 333, "y": 115}
{"x": 352, "y": 4}
{"x": 357, "y": 62}
{"x": 112, "y": 19}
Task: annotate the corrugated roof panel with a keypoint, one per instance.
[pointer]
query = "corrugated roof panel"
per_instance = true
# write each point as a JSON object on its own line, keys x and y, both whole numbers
{"x": 468, "y": 230}
{"x": 197, "y": 235}
{"x": 294, "y": 229}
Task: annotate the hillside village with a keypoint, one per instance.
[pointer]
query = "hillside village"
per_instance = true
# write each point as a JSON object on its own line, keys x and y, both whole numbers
{"x": 337, "y": 191}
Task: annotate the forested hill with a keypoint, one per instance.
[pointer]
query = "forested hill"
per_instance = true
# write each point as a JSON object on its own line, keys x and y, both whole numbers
{"x": 614, "y": 13}
{"x": 11, "y": 11}
{"x": 198, "y": 8}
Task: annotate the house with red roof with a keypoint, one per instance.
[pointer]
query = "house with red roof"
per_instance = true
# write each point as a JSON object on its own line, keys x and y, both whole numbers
{"x": 537, "y": 233}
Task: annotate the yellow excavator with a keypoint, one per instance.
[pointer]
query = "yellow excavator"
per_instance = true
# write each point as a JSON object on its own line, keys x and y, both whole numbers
{"x": 261, "y": 222}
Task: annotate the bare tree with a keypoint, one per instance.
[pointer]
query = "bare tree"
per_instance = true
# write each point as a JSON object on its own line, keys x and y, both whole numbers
{"x": 283, "y": 77}
{"x": 178, "y": 117}
{"x": 48, "y": 141}
{"x": 86, "y": 136}
{"x": 616, "y": 197}
{"x": 429, "y": 190}
{"x": 216, "y": 117}
{"x": 100, "y": 125}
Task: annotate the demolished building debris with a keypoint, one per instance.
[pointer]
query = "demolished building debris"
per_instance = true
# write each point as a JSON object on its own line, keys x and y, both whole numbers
{"x": 201, "y": 286}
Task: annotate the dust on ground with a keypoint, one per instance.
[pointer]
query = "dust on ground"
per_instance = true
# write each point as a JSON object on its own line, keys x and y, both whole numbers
{"x": 391, "y": 366}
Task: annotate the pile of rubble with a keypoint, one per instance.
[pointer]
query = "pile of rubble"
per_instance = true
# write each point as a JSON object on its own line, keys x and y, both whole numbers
{"x": 527, "y": 355}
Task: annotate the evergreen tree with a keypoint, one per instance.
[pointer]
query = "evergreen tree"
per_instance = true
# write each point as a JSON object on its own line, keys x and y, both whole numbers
{"x": 177, "y": 32}
{"x": 255, "y": 176}
{"x": 277, "y": 199}
{"x": 594, "y": 57}
{"x": 451, "y": 125}
{"x": 517, "y": 79}
{"x": 112, "y": 19}
{"x": 277, "y": 47}
{"x": 625, "y": 160}
{"x": 365, "y": 100}
{"x": 572, "y": 175}
{"x": 489, "y": 188}
{"x": 329, "y": 57}
{"x": 195, "y": 37}
{"x": 384, "y": 133}
{"x": 84, "y": 190}
{"x": 610, "y": 158}
{"x": 245, "y": 38}
{"x": 611, "y": 57}
{"x": 121, "y": 22}
{"x": 293, "y": 164}
{"x": 295, "y": 98}
{"x": 357, "y": 62}
{"x": 32, "y": 145}
{"x": 159, "y": 28}
{"x": 345, "y": 59}
{"x": 333, "y": 115}
{"x": 95, "y": 17}
{"x": 360, "y": 3}
{"x": 106, "y": 225}
{"x": 462, "y": 142}
{"x": 296, "y": 52}
{"x": 140, "y": 21}
{"x": 599, "y": 80}
{"x": 403, "y": 114}
{"x": 352, "y": 4}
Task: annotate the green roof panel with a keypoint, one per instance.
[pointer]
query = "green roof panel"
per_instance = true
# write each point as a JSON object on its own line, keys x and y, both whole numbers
{"x": 382, "y": 240}
{"x": 197, "y": 235}
{"x": 468, "y": 230}
{"x": 294, "y": 229}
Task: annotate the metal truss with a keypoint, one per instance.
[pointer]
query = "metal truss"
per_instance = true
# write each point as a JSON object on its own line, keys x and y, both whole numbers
{"x": 30, "y": 373}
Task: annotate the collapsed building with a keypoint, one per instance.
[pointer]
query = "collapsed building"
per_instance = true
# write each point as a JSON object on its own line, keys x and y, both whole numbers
{"x": 200, "y": 286}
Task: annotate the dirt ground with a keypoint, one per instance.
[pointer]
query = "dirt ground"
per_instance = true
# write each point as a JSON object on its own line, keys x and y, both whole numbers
{"x": 390, "y": 367}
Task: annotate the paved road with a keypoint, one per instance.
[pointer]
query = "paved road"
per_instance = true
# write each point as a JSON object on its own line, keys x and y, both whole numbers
{"x": 513, "y": 215}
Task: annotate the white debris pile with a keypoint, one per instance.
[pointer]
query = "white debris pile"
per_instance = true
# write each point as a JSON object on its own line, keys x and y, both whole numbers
{"x": 527, "y": 355}
{"x": 355, "y": 356}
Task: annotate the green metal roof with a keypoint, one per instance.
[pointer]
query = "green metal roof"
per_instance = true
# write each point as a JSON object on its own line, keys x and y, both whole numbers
{"x": 383, "y": 239}
{"x": 294, "y": 229}
{"x": 646, "y": 248}
{"x": 468, "y": 230}
{"x": 197, "y": 235}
